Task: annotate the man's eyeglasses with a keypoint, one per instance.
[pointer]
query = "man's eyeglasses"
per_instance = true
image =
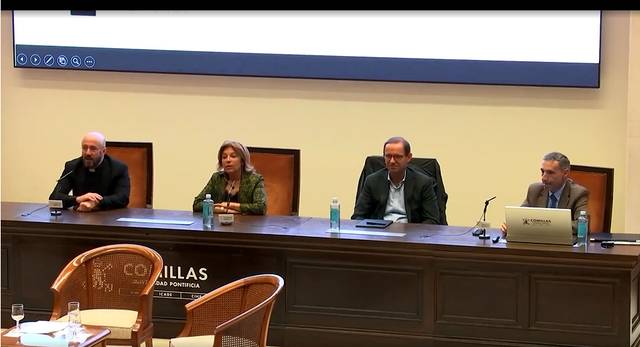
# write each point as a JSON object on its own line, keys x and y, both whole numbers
{"x": 394, "y": 156}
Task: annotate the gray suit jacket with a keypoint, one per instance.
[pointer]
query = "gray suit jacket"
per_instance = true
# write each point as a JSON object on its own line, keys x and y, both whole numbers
{"x": 574, "y": 197}
{"x": 420, "y": 200}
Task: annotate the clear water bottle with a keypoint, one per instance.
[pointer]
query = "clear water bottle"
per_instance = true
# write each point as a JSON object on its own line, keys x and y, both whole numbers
{"x": 583, "y": 228}
{"x": 207, "y": 211}
{"x": 334, "y": 215}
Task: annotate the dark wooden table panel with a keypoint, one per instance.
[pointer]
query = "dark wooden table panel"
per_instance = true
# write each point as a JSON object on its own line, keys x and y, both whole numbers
{"x": 435, "y": 286}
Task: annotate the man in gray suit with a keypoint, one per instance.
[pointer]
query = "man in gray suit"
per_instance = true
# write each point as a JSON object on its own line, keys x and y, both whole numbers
{"x": 397, "y": 192}
{"x": 556, "y": 189}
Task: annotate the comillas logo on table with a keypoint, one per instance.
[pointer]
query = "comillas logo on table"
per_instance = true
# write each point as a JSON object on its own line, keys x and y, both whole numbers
{"x": 173, "y": 278}
{"x": 535, "y": 221}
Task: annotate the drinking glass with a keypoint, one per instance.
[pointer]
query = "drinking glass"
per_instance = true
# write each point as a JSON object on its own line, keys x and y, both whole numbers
{"x": 74, "y": 316}
{"x": 17, "y": 314}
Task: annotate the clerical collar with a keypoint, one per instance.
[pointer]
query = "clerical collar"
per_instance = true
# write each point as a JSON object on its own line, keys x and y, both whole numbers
{"x": 97, "y": 166}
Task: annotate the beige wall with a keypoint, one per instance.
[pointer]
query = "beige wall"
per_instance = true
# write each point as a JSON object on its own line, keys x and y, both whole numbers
{"x": 633, "y": 127}
{"x": 488, "y": 139}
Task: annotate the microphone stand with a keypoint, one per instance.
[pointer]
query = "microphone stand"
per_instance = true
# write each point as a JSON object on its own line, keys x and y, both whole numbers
{"x": 55, "y": 211}
{"x": 481, "y": 232}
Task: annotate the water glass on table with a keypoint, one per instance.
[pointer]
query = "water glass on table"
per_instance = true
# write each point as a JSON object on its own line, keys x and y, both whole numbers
{"x": 17, "y": 314}
{"x": 74, "y": 317}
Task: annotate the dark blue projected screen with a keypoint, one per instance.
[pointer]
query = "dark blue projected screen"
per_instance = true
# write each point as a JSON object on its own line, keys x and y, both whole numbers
{"x": 540, "y": 48}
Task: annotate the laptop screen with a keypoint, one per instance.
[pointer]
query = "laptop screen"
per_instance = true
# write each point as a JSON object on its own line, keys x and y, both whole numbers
{"x": 539, "y": 225}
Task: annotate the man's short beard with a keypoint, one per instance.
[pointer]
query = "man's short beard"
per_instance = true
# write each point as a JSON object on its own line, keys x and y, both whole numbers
{"x": 89, "y": 163}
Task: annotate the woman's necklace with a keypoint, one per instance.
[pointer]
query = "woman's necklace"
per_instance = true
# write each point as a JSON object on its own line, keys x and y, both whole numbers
{"x": 233, "y": 187}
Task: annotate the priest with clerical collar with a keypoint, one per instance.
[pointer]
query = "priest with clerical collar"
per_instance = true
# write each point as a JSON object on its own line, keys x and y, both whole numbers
{"x": 94, "y": 181}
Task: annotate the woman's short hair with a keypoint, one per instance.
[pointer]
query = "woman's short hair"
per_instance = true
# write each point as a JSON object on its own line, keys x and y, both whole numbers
{"x": 241, "y": 151}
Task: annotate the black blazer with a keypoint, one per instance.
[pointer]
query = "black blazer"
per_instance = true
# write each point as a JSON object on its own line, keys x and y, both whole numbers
{"x": 429, "y": 166}
{"x": 420, "y": 200}
{"x": 113, "y": 183}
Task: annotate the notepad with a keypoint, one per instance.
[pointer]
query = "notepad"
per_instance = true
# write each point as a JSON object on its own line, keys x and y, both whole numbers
{"x": 42, "y": 327}
{"x": 374, "y": 223}
{"x": 155, "y": 221}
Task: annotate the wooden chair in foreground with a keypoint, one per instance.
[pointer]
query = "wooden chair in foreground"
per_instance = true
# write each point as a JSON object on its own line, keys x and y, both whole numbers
{"x": 139, "y": 158}
{"x": 114, "y": 286}
{"x": 599, "y": 181}
{"x": 236, "y": 314}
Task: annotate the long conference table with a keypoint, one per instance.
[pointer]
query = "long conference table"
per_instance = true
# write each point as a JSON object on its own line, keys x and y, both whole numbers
{"x": 418, "y": 285}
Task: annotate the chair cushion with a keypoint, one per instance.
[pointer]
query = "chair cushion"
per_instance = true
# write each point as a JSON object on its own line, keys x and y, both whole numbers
{"x": 119, "y": 322}
{"x": 192, "y": 341}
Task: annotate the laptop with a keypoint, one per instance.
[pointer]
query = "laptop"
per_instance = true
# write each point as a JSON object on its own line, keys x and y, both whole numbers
{"x": 539, "y": 225}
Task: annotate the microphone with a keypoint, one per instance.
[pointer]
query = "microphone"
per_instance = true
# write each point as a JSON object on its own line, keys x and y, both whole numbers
{"x": 65, "y": 176}
{"x": 481, "y": 232}
{"x": 26, "y": 214}
{"x": 484, "y": 212}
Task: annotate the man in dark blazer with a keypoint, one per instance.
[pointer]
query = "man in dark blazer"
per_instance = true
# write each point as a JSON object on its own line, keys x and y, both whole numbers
{"x": 556, "y": 189}
{"x": 397, "y": 192}
{"x": 98, "y": 181}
